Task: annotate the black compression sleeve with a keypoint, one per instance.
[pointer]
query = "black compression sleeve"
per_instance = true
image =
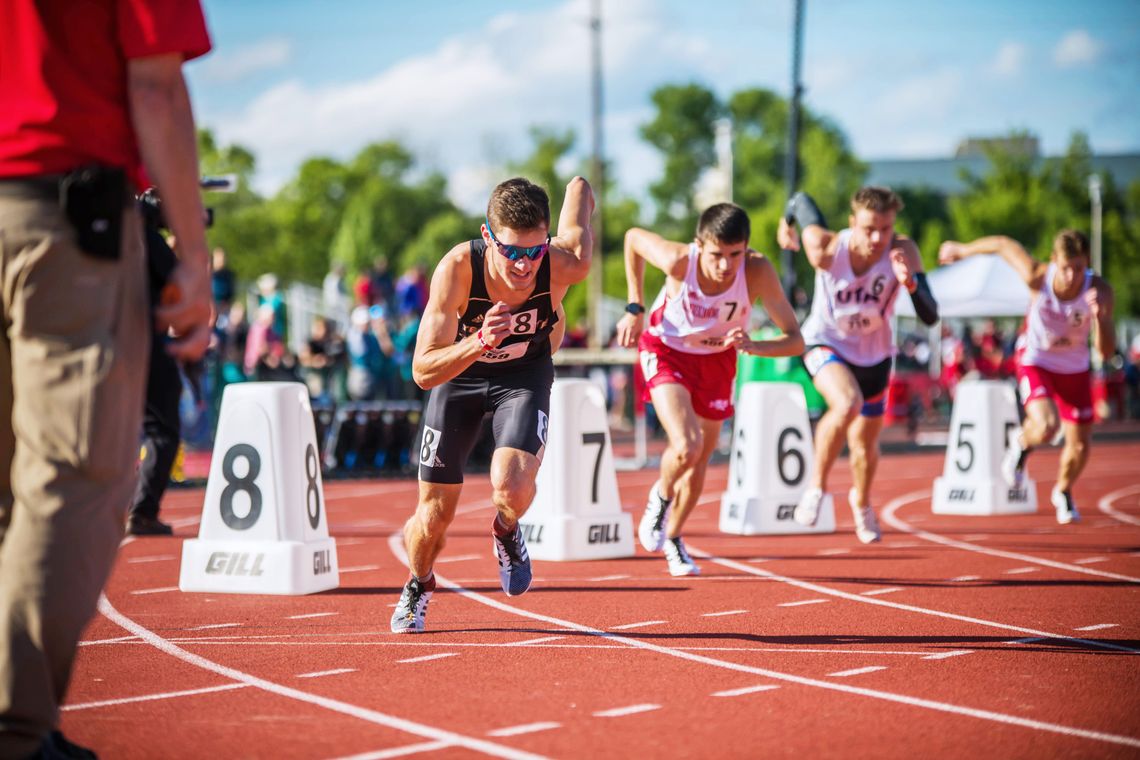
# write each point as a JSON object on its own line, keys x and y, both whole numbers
{"x": 801, "y": 208}
{"x": 925, "y": 306}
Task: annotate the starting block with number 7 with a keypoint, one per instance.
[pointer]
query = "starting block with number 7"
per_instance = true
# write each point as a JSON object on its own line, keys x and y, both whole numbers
{"x": 576, "y": 513}
{"x": 771, "y": 460}
{"x": 264, "y": 529}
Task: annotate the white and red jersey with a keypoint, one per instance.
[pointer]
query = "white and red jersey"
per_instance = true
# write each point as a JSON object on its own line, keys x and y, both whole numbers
{"x": 851, "y": 314}
{"x": 695, "y": 323}
{"x": 1056, "y": 331}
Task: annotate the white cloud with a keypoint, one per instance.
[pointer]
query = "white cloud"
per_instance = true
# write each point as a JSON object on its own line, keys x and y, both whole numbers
{"x": 1076, "y": 48}
{"x": 469, "y": 103}
{"x": 1010, "y": 59}
{"x": 231, "y": 66}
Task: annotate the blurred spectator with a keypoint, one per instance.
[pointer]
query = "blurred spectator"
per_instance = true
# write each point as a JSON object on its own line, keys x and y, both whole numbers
{"x": 383, "y": 288}
{"x": 388, "y": 376}
{"x": 260, "y": 340}
{"x": 362, "y": 290}
{"x": 365, "y": 359}
{"x": 412, "y": 290}
{"x": 233, "y": 333}
{"x": 269, "y": 295}
{"x": 334, "y": 291}
{"x": 222, "y": 281}
{"x": 404, "y": 342}
{"x": 323, "y": 358}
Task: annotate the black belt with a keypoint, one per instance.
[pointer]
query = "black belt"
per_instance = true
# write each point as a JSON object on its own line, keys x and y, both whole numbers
{"x": 43, "y": 185}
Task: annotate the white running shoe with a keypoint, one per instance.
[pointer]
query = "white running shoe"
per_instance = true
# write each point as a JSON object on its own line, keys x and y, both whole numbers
{"x": 1011, "y": 472}
{"x": 807, "y": 510}
{"x": 866, "y": 524}
{"x": 1065, "y": 507}
{"x": 651, "y": 529}
{"x": 680, "y": 563}
{"x": 409, "y": 614}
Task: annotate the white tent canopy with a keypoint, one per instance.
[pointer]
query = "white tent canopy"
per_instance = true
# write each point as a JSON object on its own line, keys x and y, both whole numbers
{"x": 980, "y": 286}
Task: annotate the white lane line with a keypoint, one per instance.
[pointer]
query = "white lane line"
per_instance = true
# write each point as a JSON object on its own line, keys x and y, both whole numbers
{"x": 311, "y": 615}
{"x": 878, "y": 591}
{"x": 832, "y": 552}
{"x": 116, "y": 640}
{"x": 407, "y": 749}
{"x": 427, "y": 657}
{"x": 542, "y": 640}
{"x": 1105, "y": 505}
{"x": 320, "y": 673}
{"x": 602, "y": 578}
{"x": 154, "y": 558}
{"x": 619, "y": 712}
{"x": 952, "y": 653}
{"x": 150, "y": 697}
{"x": 1098, "y": 627}
{"x": 362, "y": 713}
{"x": 800, "y": 604}
{"x": 856, "y": 671}
{"x": 358, "y": 568}
{"x": 395, "y": 545}
{"x": 888, "y": 516}
{"x": 758, "y": 560}
{"x": 1021, "y": 571}
{"x": 527, "y": 728}
{"x": 161, "y": 590}
{"x": 976, "y": 537}
{"x": 1030, "y": 640}
{"x": 1090, "y": 560}
{"x": 963, "y": 578}
{"x": 348, "y": 542}
{"x": 460, "y": 558}
{"x": 745, "y": 690}
{"x": 722, "y": 614}
{"x": 627, "y": 626}
{"x": 213, "y": 626}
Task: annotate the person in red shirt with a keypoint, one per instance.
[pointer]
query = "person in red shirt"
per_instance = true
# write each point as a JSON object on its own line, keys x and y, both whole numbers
{"x": 93, "y": 100}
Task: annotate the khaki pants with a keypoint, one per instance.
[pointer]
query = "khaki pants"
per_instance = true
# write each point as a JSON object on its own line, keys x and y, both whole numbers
{"x": 73, "y": 354}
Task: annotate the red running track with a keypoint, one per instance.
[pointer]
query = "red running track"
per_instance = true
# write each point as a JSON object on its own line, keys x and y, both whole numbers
{"x": 986, "y": 637}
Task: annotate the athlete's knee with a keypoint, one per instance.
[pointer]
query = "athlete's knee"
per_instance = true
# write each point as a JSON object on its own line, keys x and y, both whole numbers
{"x": 512, "y": 489}
{"x": 849, "y": 406}
{"x": 432, "y": 517}
{"x": 688, "y": 455}
{"x": 1077, "y": 446}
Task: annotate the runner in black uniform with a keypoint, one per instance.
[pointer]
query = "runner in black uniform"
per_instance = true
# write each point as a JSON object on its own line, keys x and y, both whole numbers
{"x": 484, "y": 348}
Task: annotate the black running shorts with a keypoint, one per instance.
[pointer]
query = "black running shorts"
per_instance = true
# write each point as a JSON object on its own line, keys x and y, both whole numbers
{"x": 519, "y": 405}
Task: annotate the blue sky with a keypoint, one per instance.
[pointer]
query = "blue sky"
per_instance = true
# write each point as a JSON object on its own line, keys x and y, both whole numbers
{"x": 460, "y": 83}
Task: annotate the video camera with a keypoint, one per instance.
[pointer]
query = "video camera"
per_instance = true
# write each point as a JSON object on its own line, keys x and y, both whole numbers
{"x": 151, "y": 203}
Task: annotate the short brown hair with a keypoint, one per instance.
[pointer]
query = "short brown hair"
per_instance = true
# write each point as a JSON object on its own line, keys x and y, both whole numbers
{"x": 518, "y": 204}
{"x": 1070, "y": 244}
{"x": 725, "y": 223}
{"x": 877, "y": 199}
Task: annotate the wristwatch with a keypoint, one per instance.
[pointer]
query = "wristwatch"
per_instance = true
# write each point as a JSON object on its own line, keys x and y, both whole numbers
{"x": 634, "y": 308}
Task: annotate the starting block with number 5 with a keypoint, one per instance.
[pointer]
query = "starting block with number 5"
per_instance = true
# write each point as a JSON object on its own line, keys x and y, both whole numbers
{"x": 771, "y": 460}
{"x": 984, "y": 418}
{"x": 576, "y": 513}
{"x": 264, "y": 528}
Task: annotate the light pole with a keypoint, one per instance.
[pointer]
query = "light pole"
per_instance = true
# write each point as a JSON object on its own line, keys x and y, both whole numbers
{"x": 791, "y": 161}
{"x": 597, "y": 179}
{"x": 1094, "y": 195}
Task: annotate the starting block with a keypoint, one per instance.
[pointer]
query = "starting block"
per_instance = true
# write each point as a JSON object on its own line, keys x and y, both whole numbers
{"x": 771, "y": 459}
{"x": 984, "y": 417}
{"x": 264, "y": 529}
{"x": 576, "y": 512}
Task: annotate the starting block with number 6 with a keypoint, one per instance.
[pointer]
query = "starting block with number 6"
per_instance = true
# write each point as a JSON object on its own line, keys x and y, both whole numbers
{"x": 984, "y": 417}
{"x": 576, "y": 513}
{"x": 264, "y": 528}
{"x": 771, "y": 460}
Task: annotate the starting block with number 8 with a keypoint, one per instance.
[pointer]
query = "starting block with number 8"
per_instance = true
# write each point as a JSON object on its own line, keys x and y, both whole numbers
{"x": 771, "y": 460}
{"x": 576, "y": 513}
{"x": 264, "y": 528}
{"x": 984, "y": 418}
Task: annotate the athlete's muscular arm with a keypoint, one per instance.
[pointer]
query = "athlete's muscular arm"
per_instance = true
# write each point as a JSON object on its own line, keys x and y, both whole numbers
{"x": 817, "y": 239}
{"x": 1101, "y": 300}
{"x": 764, "y": 283}
{"x": 1031, "y": 271}
{"x": 907, "y": 266}
{"x": 572, "y": 249}
{"x": 668, "y": 256}
{"x": 438, "y": 358}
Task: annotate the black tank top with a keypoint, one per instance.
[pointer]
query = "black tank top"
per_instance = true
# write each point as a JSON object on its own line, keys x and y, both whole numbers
{"x": 531, "y": 321}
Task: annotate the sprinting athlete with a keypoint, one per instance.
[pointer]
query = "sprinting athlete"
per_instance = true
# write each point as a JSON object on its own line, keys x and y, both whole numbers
{"x": 859, "y": 272}
{"x": 484, "y": 348}
{"x": 1068, "y": 302}
{"x": 688, "y": 353}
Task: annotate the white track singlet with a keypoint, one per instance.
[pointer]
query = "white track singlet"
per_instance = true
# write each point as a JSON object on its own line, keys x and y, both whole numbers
{"x": 695, "y": 323}
{"x": 1056, "y": 331}
{"x": 852, "y": 314}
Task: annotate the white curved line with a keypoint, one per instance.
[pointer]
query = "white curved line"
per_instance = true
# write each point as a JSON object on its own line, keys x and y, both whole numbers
{"x": 1104, "y": 504}
{"x": 395, "y": 544}
{"x": 888, "y": 515}
{"x": 371, "y": 716}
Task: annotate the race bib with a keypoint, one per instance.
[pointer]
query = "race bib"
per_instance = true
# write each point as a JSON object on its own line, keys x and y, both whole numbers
{"x": 858, "y": 321}
{"x": 503, "y": 353}
{"x": 704, "y": 340}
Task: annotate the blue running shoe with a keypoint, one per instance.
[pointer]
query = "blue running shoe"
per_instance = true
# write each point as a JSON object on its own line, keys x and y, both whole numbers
{"x": 514, "y": 562}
